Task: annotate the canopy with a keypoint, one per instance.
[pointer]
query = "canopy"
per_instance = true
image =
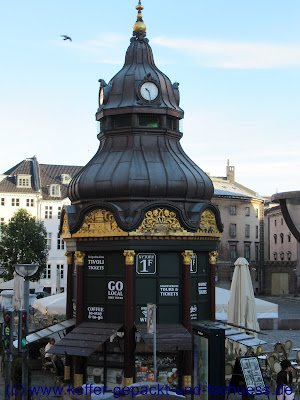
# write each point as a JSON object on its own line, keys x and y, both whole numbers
{"x": 264, "y": 309}
{"x": 10, "y": 285}
{"x": 55, "y": 304}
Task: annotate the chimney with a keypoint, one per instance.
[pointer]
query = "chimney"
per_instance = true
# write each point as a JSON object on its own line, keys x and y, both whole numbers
{"x": 230, "y": 172}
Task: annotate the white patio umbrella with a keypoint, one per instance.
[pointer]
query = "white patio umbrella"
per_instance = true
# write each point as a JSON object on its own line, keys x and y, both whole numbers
{"x": 241, "y": 304}
{"x": 52, "y": 305}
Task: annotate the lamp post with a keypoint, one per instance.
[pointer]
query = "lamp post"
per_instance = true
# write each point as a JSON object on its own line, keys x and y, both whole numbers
{"x": 26, "y": 271}
{"x": 290, "y": 207}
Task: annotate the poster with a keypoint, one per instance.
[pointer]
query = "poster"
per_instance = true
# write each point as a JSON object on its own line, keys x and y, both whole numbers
{"x": 94, "y": 375}
{"x": 95, "y": 263}
{"x": 252, "y": 373}
{"x": 201, "y": 366}
{"x": 115, "y": 378}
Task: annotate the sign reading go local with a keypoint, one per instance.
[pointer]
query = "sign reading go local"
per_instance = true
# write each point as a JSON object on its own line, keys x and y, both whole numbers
{"x": 115, "y": 290}
{"x": 145, "y": 263}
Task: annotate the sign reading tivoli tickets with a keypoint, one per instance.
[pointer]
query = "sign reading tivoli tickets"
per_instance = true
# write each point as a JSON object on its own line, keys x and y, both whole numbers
{"x": 95, "y": 263}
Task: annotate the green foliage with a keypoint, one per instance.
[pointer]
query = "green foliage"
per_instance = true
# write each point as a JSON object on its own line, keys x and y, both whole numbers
{"x": 23, "y": 241}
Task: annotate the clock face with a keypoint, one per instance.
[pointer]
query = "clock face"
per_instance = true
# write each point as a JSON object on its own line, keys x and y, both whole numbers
{"x": 149, "y": 91}
{"x": 101, "y": 96}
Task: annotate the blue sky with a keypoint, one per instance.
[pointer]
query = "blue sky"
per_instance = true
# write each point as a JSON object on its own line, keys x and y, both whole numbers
{"x": 237, "y": 62}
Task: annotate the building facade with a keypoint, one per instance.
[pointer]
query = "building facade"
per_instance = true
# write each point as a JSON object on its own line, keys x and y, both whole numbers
{"x": 242, "y": 214}
{"x": 282, "y": 265}
{"x": 41, "y": 189}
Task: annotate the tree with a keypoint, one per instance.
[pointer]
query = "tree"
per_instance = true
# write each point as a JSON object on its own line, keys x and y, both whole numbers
{"x": 23, "y": 241}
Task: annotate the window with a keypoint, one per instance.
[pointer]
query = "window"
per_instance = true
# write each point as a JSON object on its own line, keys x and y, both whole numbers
{"x": 171, "y": 123}
{"x": 48, "y": 212}
{"x": 121, "y": 121}
{"x": 281, "y": 237}
{"x": 247, "y": 211}
{"x": 289, "y": 255}
{"x": 58, "y": 212}
{"x": 275, "y": 238}
{"x": 256, "y": 212}
{"x": 232, "y": 210}
{"x": 275, "y": 255}
{"x": 2, "y": 201}
{"x": 60, "y": 243}
{"x": 24, "y": 181}
{"x": 60, "y": 268}
{"x": 54, "y": 190}
{"x": 49, "y": 237}
{"x": 281, "y": 255}
{"x": 256, "y": 253}
{"x": 247, "y": 230}
{"x": 29, "y": 202}
{"x": 256, "y": 232}
{"x": 232, "y": 252}
{"x": 232, "y": 230}
{"x": 275, "y": 222}
{"x": 15, "y": 202}
{"x": 247, "y": 251}
{"x": 281, "y": 221}
{"x": 47, "y": 272}
{"x": 148, "y": 120}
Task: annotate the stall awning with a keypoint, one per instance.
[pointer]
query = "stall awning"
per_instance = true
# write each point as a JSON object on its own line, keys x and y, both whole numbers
{"x": 85, "y": 339}
{"x": 49, "y": 331}
{"x": 168, "y": 337}
{"x": 240, "y": 337}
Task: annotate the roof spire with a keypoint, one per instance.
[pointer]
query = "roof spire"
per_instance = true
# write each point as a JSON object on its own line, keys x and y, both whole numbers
{"x": 139, "y": 28}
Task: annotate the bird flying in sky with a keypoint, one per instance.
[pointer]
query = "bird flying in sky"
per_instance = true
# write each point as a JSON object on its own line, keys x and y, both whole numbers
{"x": 66, "y": 37}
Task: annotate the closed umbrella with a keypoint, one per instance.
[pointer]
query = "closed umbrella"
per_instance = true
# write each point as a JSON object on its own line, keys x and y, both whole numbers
{"x": 52, "y": 305}
{"x": 241, "y": 304}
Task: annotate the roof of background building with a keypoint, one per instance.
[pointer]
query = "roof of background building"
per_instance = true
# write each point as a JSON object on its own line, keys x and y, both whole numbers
{"x": 225, "y": 188}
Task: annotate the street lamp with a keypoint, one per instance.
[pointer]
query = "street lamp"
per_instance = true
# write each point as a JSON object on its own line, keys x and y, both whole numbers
{"x": 26, "y": 271}
{"x": 290, "y": 207}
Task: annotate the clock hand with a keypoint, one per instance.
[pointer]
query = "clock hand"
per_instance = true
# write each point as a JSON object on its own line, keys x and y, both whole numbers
{"x": 149, "y": 93}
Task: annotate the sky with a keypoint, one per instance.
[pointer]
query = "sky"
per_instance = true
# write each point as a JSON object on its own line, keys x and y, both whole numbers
{"x": 237, "y": 62}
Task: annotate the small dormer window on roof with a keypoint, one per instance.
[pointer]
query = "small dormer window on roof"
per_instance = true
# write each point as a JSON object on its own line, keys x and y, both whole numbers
{"x": 54, "y": 190}
{"x": 65, "y": 179}
{"x": 24, "y": 181}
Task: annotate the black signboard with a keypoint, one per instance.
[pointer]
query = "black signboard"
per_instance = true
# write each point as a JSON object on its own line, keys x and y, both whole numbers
{"x": 200, "y": 287}
{"x": 145, "y": 263}
{"x": 247, "y": 373}
{"x": 194, "y": 266}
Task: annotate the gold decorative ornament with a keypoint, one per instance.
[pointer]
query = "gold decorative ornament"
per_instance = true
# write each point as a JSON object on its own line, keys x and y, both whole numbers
{"x": 187, "y": 381}
{"x": 213, "y": 257}
{"x": 187, "y": 257}
{"x": 78, "y": 380}
{"x": 79, "y": 256}
{"x": 139, "y": 26}
{"x": 128, "y": 381}
{"x": 129, "y": 257}
{"x": 69, "y": 257}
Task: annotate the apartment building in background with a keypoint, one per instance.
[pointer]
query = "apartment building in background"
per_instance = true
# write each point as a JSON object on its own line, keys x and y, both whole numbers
{"x": 41, "y": 189}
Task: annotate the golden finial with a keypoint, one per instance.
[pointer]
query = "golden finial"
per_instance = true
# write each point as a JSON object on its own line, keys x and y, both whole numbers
{"x": 139, "y": 27}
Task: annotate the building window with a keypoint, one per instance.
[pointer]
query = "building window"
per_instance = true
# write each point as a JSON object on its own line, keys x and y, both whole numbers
{"x": 60, "y": 243}
{"x": 289, "y": 255}
{"x": 2, "y": 201}
{"x": 281, "y": 221}
{"x": 247, "y": 230}
{"x": 256, "y": 212}
{"x": 232, "y": 210}
{"x": 148, "y": 120}
{"x": 232, "y": 252}
{"x": 171, "y": 123}
{"x": 232, "y": 230}
{"x": 60, "y": 268}
{"x": 281, "y": 237}
{"x": 48, "y": 212}
{"x": 275, "y": 238}
{"x": 275, "y": 255}
{"x": 49, "y": 237}
{"x": 256, "y": 232}
{"x": 15, "y": 202}
{"x": 281, "y": 255}
{"x": 58, "y": 212}
{"x": 23, "y": 181}
{"x": 121, "y": 121}
{"x": 289, "y": 237}
{"x": 247, "y": 211}
{"x": 29, "y": 202}
{"x": 256, "y": 253}
{"x": 47, "y": 272}
{"x": 54, "y": 190}
{"x": 275, "y": 222}
{"x": 247, "y": 252}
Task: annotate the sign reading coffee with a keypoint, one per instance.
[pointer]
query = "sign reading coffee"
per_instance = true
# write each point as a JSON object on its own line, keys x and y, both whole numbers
{"x": 145, "y": 263}
{"x": 95, "y": 313}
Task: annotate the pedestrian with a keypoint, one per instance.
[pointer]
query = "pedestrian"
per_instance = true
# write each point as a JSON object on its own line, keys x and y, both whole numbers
{"x": 284, "y": 381}
{"x": 48, "y": 347}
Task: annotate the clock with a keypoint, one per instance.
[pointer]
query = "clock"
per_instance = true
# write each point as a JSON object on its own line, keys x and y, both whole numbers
{"x": 149, "y": 91}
